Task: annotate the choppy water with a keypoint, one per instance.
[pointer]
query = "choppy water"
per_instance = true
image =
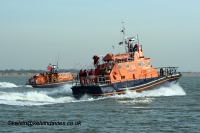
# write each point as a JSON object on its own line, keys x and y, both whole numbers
{"x": 172, "y": 109}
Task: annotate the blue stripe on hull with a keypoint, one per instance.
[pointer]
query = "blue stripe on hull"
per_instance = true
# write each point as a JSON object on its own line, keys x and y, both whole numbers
{"x": 128, "y": 84}
{"x": 156, "y": 86}
{"x": 135, "y": 85}
{"x": 145, "y": 84}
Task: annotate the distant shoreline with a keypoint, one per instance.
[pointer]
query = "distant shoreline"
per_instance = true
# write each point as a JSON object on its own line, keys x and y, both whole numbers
{"x": 32, "y": 74}
{"x": 190, "y": 73}
{"x": 18, "y": 74}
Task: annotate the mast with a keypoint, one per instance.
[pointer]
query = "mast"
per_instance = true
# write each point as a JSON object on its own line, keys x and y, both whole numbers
{"x": 123, "y": 40}
{"x": 138, "y": 45}
{"x": 58, "y": 58}
{"x": 128, "y": 40}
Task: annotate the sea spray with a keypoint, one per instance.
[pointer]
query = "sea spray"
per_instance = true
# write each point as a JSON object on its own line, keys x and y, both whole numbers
{"x": 34, "y": 97}
{"x": 62, "y": 91}
{"x": 7, "y": 85}
{"x": 62, "y": 95}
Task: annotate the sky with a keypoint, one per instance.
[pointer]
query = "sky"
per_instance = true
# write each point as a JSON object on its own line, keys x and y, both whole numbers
{"x": 34, "y": 33}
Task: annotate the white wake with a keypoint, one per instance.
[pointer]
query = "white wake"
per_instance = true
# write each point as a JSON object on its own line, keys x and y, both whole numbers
{"x": 64, "y": 95}
{"x": 7, "y": 85}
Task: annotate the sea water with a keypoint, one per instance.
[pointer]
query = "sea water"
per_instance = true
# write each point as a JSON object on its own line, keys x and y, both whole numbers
{"x": 167, "y": 109}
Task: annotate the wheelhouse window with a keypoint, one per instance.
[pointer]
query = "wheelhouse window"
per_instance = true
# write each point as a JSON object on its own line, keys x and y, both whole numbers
{"x": 139, "y": 64}
{"x": 143, "y": 64}
{"x": 119, "y": 66}
{"x": 122, "y": 77}
{"x": 127, "y": 65}
{"x": 149, "y": 63}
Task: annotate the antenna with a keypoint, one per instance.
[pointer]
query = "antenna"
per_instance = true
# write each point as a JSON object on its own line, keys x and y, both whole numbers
{"x": 58, "y": 58}
{"x": 138, "y": 40}
{"x": 123, "y": 31}
{"x": 138, "y": 44}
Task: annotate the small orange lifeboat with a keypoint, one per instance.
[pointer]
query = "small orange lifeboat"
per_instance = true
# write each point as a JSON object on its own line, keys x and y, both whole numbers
{"x": 51, "y": 79}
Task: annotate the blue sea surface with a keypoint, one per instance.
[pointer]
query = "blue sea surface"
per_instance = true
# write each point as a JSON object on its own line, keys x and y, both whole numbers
{"x": 167, "y": 109}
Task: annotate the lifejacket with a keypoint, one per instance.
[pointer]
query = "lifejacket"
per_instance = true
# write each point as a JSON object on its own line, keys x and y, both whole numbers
{"x": 84, "y": 74}
{"x": 92, "y": 72}
{"x": 81, "y": 73}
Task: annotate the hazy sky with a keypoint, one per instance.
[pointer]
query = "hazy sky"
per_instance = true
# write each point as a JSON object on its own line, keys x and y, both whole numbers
{"x": 32, "y": 32}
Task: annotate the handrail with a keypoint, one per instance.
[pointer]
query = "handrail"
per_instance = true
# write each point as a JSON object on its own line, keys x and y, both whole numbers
{"x": 166, "y": 71}
{"x": 162, "y": 72}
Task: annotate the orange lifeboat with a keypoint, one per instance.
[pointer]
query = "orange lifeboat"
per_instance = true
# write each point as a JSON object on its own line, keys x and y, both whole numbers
{"x": 116, "y": 73}
{"x": 51, "y": 79}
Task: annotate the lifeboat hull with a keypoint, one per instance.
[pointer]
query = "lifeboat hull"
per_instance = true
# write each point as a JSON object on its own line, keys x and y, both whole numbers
{"x": 51, "y": 85}
{"x": 122, "y": 87}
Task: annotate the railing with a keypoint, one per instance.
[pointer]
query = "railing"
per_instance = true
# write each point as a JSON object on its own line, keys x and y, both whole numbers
{"x": 93, "y": 80}
{"x": 166, "y": 71}
{"x": 97, "y": 80}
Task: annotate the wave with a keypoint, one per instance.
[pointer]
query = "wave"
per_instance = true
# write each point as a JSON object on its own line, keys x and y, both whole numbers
{"x": 7, "y": 85}
{"x": 11, "y": 85}
{"x": 169, "y": 90}
{"x": 63, "y": 90}
{"x": 142, "y": 97}
{"x": 31, "y": 98}
{"x": 26, "y": 86}
{"x": 150, "y": 95}
{"x": 64, "y": 95}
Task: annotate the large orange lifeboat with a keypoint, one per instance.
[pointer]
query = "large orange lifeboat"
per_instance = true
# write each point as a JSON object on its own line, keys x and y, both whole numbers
{"x": 116, "y": 73}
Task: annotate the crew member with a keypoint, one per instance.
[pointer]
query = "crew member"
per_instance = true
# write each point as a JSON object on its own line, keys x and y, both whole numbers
{"x": 130, "y": 47}
{"x": 95, "y": 58}
{"x": 80, "y": 73}
{"x": 52, "y": 78}
{"x": 92, "y": 72}
{"x": 81, "y": 76}
{"x": 91, "y": 76}
{"x": 85, "y": 76}
{"x": 135, "y": 48}
{"x": 106, "y": 70}
{"x": 49, "y": 67}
